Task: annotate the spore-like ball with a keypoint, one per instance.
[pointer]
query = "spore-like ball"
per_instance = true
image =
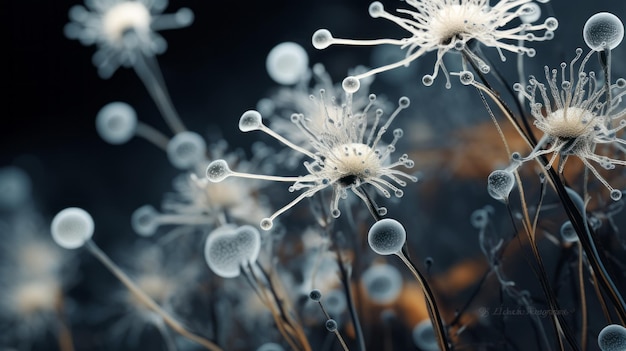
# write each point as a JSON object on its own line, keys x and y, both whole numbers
{"x": 72, "y": 227}
{"x": 386, "y": 236}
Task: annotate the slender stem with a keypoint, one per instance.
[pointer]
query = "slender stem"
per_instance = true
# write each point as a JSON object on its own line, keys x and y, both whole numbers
{"x": 146, "y": 299}
{"x": 152, "y": 135}
{"x": 148, "y": 71}
{"x": 345, "y": 280}
{"x": 433, "y": 310}
{"x": 583, "y": 297}
{"x": 340, "y": 338}
{"x": 577, "y": 219}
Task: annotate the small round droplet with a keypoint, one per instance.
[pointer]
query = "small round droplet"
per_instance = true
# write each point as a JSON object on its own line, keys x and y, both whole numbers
{"x": 72, "y": 227}
{"x": 217, "y": 171}
{"x": 602, "y": 31}
{"x": 351, "y": 85}
{"x": 612, "y": 338}
{"x": 531, "y": 12}
{"x": 322, "y": 39}
{"x": 250, "y": 120}
{"x": 266, "y": 224}
{"x": 551, "y": 23}
{"x": 500, "y": 183}
{"x": 186, "y": 149}
{"x": 616, "y": 195}
{"x": 116, "y": 122}
{"x": 315, "y": 295}
{"x": 145, "y": 220}
{"x": 331, "y": 325}
{"x": 404, "y": 102}
{"x": 466, "y": 77}
{"x": 376, "y": 9}
{"x": 386, "y": 236}
{"x": 568, "y": 233}
{"x": 428, "y": 80}
{"x": 287, "y": 63}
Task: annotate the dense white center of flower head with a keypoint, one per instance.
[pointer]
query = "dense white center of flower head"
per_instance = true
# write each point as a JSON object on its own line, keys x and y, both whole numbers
{"x": 569, "y": 123}
{"x": 451, "y": 21}
{"x": 349, "y": 162}
{"x": 129, "y": 15}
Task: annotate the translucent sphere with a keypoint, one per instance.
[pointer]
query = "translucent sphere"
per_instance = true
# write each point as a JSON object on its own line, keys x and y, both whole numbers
{"x": 186, "y": 149}
{"x": 250, "y": 120}
{"x": 500, "y": 183}
{"x": 331, "y": 325}
{"x": 382, "y": 282}
{"x": 287, "y": 63}
{"x": 351, "y": 85}
{"x": 612, "y": 338}
{"x": 15, "y": 187}
{"x": 217, "y": 171}
{"x": 322, "y": 39}
{"x": 227, "y": 248}
{"x": 270, "y": 346}
{"x": 72, "y": 227}
{"x": 531, "y": 12}
{"x": 424, "y": 336}
{"x": 376, "y": 9}
{"x": 184, "y": 17}
{"x": 386, "y": 236}
{"x": 602, "y": 31}
{"x": 116, "y": 122}
{"x": 568, "y": 234}
{"x": 315, "y": 295}
{"x": 145, "y": 220}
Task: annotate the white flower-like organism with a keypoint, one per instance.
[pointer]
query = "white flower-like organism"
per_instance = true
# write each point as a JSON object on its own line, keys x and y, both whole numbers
{"x": 574, "y": 116}
{"x": 345, "y": 156}
{"x": 287, "y": 100}
{"x": 445, "y": 25}
{"x": 125, "y": 31}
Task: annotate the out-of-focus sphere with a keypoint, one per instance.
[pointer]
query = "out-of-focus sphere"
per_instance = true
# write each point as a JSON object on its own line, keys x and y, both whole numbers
{"x": 145, "y": 220}
{"x": 382, "y": 282}
{"x": 186, "y": 149}
{"x": 287, "y": 63}
{"x": 424, "y": 336}
{"x": 228, "y": 248}
{"x": 72, "y": 227}
{"x": 15, "y": 187}
{"x": 116, "y": 122}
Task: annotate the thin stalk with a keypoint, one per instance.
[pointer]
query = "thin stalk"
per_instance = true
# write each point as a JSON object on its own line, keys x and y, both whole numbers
{"x": 149, "y": 73}
{"x": 147, "y": 300}
{"x": 433, "y": 310}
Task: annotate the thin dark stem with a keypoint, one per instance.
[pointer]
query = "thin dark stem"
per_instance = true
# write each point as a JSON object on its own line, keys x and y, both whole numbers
{"x": 345, "y": 280}
{"x": 431, "y": 304}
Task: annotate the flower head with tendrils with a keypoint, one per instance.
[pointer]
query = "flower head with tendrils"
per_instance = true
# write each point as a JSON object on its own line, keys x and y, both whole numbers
{"x": 124, "y": 30}
{"x": 577, "y": 118}
{"x": 443, "y": 25}
{"x": 347, "y": 154}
